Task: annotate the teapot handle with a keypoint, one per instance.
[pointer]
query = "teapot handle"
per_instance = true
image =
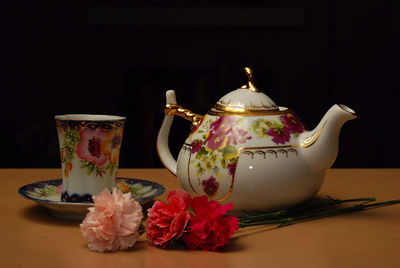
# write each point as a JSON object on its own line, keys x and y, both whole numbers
{"x": 164, "y": 153}
{"x": 175, "y": 109}
{"x": 171, "y": 109}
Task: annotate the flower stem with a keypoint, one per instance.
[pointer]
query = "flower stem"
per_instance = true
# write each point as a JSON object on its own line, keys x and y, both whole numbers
{"x": 264, "y": 216}
{"x": 338, "y": 211}
{"x": 262, "y": 219}
{"x": 304, "y": 207}
{"x": 142, "y": 228}
{"x": 282, "y": 221}
{"x": 330, "y": 202}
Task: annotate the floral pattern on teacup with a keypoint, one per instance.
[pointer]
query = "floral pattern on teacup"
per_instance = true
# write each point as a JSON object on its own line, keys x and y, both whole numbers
{"x": 97, "y": 150}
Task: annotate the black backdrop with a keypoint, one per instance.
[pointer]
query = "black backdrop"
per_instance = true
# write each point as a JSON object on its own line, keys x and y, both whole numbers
{"x": 119, "y": 57}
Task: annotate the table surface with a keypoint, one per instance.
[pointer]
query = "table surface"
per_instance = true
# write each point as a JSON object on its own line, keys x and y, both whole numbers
{"x": 31, "y": 237}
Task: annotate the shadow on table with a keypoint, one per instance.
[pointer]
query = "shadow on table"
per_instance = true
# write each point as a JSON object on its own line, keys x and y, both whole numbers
{"x": 42, "y": 215}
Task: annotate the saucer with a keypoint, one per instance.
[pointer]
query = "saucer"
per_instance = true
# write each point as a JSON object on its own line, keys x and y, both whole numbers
{"x": 48, "y": 194}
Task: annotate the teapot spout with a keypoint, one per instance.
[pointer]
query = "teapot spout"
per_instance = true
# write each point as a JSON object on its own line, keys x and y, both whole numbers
{"x": 320, "y": 146}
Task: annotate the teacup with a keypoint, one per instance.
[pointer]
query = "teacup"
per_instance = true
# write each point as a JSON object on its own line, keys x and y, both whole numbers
{"x": 89, "y": 149}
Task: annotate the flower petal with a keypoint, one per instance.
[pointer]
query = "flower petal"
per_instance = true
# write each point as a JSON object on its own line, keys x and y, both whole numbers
{"x": 113, "y": 223}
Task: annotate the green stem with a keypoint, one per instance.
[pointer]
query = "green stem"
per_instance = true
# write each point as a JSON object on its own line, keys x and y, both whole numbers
{"x": 282, "y": 221}
{"x": 142, "y": 228}
{"x": 265, "y": 216}
{"x": 305, "y": 207}
{"x": 315, "y": 215}
{"x": 328, "y": 202}
{"x": 354, "y": 208}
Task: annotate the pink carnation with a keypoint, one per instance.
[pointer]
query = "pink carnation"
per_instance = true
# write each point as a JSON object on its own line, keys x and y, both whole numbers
{"x": 167, "y": 222}
{"x": 113, "y": 223}
{"x": 210, "y": 229}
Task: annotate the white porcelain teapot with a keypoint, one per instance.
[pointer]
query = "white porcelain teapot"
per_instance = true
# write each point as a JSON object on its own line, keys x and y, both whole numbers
{"x": 251, "y": 152}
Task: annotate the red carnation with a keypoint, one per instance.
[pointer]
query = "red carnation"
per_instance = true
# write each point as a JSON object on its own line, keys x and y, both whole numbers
{"x": 167, "y": 222}
{"x": 210, "y": 229}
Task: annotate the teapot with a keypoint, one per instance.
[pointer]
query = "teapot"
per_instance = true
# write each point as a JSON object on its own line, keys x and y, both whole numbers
{"x": 251, "y": 152}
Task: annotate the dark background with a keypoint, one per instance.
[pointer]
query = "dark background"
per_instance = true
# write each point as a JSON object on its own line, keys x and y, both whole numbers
{"x": 119, "y": 57}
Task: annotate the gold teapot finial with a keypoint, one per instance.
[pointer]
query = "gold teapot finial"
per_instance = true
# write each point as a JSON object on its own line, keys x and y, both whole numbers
{"x": 250, "y": 84}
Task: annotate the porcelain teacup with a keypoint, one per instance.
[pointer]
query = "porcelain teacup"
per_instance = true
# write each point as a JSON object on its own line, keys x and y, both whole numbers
{"x": 89, "y": 150}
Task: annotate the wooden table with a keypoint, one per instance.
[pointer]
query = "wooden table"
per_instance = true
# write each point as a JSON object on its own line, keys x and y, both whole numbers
{"x": 31, "y": 237}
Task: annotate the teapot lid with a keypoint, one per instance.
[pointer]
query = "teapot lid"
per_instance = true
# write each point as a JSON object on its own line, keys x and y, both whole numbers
{"x": 246, "y": 100}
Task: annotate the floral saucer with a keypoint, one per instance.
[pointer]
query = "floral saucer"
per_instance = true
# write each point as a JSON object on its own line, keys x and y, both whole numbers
{"x": 48, "y": 194}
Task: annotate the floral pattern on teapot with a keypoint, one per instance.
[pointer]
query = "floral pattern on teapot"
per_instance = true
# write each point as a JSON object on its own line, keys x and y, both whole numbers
{"x": 279, "y": 131}
{"x": 215, "y": 144}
